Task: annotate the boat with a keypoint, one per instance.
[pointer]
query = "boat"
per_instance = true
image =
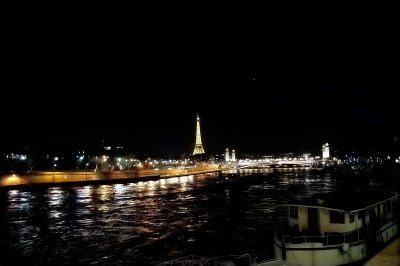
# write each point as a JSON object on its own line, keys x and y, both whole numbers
{"x": 336, "y": 228}
{"x": 229, "y": 260}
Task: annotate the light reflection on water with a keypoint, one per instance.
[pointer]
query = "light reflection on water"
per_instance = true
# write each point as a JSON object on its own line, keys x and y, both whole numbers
{"x": 146, "y": 222}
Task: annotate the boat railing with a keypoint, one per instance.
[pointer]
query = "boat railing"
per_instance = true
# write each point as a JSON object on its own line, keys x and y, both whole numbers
{"x": 325, "y": 239}
{"x": 187, "y": 260}
{"x": 194, "y": 260}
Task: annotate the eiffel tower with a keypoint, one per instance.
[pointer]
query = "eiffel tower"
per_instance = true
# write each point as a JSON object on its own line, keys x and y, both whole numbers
{"x": 198, "y": 147}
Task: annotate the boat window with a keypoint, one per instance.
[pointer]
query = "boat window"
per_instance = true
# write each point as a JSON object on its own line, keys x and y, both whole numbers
{"x": 285, "y": 212}
{"x": 351, "y": 217}
{"x": 336, "y": 217}
{"x": 293, "y": 212}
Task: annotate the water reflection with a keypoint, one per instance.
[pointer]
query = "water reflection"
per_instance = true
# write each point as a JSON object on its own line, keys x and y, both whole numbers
{"x": 84, "y": 194}
{"x": 146, "y": 222}
{"x": 106, "y": 192}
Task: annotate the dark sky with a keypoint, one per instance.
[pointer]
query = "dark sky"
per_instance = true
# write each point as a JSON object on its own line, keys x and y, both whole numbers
{"x": 265, "y": 87}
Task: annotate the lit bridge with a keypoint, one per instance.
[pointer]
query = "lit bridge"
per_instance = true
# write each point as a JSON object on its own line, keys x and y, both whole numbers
{"x": 276, "y": 163}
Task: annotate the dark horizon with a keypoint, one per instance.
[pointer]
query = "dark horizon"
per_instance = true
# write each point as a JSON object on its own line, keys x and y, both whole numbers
{"x": 288, "y": 91}
{"x": 251, "y": 119}
{"x": 247, "y": 138}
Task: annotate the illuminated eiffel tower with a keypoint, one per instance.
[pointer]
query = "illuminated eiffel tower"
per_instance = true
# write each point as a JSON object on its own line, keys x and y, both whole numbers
{"x": 198, "y": 147}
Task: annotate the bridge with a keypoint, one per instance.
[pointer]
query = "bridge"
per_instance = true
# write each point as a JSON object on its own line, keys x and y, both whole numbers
{"x": 277, "y": 163}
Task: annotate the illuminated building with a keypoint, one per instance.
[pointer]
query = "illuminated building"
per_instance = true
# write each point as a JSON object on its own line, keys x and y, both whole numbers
{"x": 230, "y": 158}
{"x": 198, "y": 148}
{"x": 325, "y": 151}
{"x": 226, "y": 155}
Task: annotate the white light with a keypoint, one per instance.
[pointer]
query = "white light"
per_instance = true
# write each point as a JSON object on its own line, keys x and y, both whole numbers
{"x": 325, "y": 151}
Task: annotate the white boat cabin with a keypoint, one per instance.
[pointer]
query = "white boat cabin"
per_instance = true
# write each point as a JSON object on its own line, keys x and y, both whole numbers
{"x": 341, "y": 212}
{"x": 341, "y": 226}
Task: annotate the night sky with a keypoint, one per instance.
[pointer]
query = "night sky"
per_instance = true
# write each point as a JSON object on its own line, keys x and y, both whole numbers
{"x": 271, "y": 88}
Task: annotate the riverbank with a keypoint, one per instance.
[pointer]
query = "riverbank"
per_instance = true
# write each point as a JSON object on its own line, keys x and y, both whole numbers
{"x": 389, "y": 256}
{"x": 75, "y": 178}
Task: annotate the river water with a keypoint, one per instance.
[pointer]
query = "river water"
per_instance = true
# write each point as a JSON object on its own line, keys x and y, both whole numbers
{"x": 145, "y": 223}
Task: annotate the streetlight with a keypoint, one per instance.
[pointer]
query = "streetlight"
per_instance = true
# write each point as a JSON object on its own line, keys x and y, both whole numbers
{"x": 103, "y": 162}
{"x": 86, "y": 170}
{"x": 54, "y": 165}
{"x": 54, "y": 168}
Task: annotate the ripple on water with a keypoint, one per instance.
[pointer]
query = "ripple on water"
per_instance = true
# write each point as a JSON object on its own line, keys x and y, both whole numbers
{"x": 146, "y": 222}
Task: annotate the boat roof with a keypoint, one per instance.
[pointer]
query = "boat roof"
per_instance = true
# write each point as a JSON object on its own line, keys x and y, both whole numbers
{"x": 345, "y": 200}
{"x": 277, "y": 263}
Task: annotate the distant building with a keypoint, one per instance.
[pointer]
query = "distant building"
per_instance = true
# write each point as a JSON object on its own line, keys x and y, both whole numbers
{"x": 325, "y": 151}
{"x": 227, "y": 155}
{"x": 198, "y": 147}
{"x": 231, "y": 158}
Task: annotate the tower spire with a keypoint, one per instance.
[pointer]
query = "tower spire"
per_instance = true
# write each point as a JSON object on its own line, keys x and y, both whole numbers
{"x": 198, "y": 147}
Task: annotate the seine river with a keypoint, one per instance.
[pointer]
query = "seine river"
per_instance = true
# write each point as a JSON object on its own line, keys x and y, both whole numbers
{"x": 146, "y": 223}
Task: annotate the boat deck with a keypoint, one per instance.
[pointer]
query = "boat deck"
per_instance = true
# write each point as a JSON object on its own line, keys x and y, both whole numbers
{"x": 389, "y": 256}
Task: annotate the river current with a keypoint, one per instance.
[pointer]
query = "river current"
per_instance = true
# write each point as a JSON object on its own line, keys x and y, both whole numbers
{"x": 149, "y": 222}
